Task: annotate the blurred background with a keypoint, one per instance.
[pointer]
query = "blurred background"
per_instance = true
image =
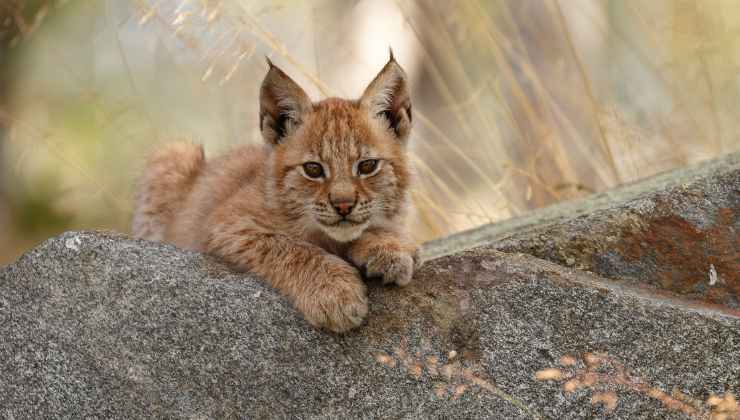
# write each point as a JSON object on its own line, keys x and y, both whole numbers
{"x": 518, "y": 104}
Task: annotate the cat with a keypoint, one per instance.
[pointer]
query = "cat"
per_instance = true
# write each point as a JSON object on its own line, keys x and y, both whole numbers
{"x": 325, "y": 196}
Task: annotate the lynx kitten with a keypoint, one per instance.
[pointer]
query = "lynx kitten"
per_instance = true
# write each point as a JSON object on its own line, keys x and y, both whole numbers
{"x": 325, "y": 196}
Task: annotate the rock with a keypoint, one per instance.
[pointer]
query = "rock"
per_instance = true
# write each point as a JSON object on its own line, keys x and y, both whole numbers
{"x": 100, "y": 325}
{"x": 678, "y": 231}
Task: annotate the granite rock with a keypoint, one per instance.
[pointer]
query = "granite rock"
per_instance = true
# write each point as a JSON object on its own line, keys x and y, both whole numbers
{"x": 677, "y": 232}
{"x": 97, "y": 325}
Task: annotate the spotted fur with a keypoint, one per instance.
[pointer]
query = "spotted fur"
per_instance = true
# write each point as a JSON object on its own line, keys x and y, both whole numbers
{"x": 257, "y": 209}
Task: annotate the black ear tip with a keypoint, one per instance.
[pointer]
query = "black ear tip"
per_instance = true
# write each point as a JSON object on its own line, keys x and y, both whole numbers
{"x": 390, "y": 51}
{"x": 269, "y": 62}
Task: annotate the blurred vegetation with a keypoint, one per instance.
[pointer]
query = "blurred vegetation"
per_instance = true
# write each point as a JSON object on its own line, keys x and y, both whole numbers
{"x": 519, "y": 104}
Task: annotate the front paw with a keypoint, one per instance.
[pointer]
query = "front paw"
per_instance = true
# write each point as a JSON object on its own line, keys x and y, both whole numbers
{"x": 338, "y": 303}
{"x": 395, "y": 267}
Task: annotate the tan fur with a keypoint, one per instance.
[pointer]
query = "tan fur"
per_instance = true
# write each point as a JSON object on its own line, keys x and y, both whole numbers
{"x": 256, "y": 208}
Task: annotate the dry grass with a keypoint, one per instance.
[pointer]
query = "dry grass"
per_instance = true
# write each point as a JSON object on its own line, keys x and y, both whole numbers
{"x": 518, "y": 104}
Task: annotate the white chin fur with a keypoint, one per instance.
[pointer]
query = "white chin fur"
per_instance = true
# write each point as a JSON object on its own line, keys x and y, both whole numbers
{"x": 344, "y": 233}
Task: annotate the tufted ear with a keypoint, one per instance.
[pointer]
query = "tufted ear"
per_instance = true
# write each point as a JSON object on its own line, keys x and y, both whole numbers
{"x": 387, "y": 98}
{"x": 283, "y": 104}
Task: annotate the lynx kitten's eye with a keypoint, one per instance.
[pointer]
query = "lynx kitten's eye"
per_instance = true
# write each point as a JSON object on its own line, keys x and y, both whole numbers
{"x": 367, "y": 167}
{"x": 313, "y": 169}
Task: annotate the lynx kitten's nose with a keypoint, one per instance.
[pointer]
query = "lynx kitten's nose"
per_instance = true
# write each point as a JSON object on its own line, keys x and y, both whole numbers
{"x": 343, "y": 198}
{"x": 343, "y": 208}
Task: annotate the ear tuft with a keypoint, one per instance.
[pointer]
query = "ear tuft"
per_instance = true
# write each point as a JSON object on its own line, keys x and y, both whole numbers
{"x": 283, "y": 105}
{"x": 387, "y": 98}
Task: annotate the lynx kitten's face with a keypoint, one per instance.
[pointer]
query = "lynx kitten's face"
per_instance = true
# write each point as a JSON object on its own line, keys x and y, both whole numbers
{"x": 341, "y": 171}
{"x": 339, "y": 165}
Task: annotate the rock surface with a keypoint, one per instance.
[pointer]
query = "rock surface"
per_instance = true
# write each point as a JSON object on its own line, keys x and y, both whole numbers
{"x": 99, "y": 325}
{"x": 678, "y": 231}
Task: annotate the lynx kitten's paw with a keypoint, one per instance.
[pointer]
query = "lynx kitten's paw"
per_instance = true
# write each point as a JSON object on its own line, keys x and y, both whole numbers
{"x": 340, "y": 304}
{"x": 393, "y": 266}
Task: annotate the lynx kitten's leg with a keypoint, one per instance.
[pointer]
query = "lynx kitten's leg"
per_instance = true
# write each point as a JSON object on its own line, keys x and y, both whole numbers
{"x": 325, "y": 288}
{"x": 168, "y": 177}
{"x": 386, "y": 254}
